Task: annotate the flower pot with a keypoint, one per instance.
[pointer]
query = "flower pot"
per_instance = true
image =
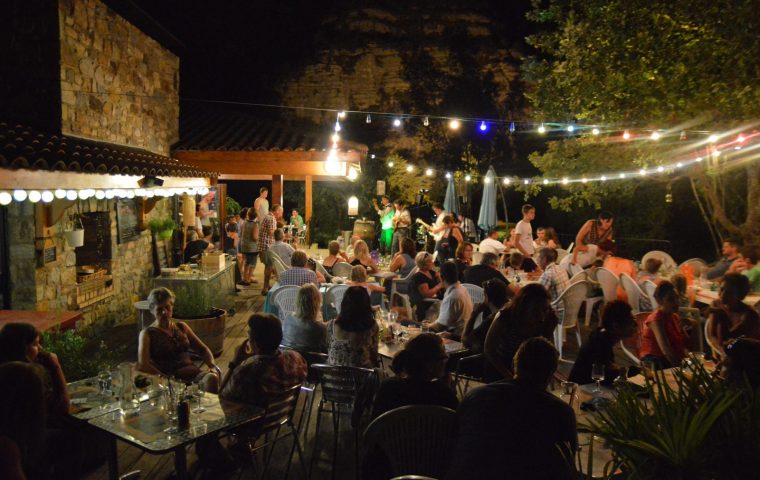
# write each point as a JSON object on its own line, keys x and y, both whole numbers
{"x": 165, "y": 234}
{"x": 74, "y": 238}
{"x": 209, "y": 328}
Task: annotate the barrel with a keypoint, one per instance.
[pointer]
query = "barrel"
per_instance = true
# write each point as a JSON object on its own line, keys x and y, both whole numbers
{"x": 365, "y": 229}
{"x": 210, "y": 329}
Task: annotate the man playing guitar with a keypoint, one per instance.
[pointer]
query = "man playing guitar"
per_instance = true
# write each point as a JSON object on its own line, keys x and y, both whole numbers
{"x": 402, "y": 220}
{"x": 385, "y": 211}
{"x": 437, "y": 229}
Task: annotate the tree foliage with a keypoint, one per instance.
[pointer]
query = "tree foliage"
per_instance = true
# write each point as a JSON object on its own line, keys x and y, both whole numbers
{"x": 688, "y": 65}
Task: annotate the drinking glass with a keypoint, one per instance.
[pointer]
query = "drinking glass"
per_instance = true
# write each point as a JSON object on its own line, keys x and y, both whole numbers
{"x": 570, "y": 395}
{"x": 105, "y": 381}
{"x": 597, "y": 375}
{"x": 200, "y": 391}
{"x": 392, "y": 316}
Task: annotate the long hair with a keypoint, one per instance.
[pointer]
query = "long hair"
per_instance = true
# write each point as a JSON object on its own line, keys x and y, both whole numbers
{"x": 551, "y": 234}
{"x": 530, "y": 306}
{"x": 459, "y": 253}
{"x": 419, "y": 356}
{"x": 15, "y": 338}
{"x": 308, "y": 302}
{"x": 355, "y": 311}
{"x": 361, "y": 250}
{"x": 408, "y": 247}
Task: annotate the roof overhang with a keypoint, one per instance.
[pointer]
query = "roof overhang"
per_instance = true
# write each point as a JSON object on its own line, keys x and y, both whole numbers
{"x": 46, "y": 180}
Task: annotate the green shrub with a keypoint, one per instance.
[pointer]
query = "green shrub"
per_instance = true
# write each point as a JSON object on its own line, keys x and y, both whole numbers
{"x": 81, "y": 355}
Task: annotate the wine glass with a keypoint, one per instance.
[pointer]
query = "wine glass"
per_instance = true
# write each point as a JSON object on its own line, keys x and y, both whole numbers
{"x": 200, "y": 391}
{"x": 597, "y": 375}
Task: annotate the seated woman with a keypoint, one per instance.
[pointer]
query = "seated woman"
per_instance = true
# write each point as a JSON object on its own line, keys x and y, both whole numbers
{"x": 649, "y": 272}
{"x": 730, "y": 317}
{"x": 359, "y": 278}
{"x": 529, "y": 314}
{"x": 304, "y": 329}
{"x": 664, "y": 340}
{"x": 617, "y": 323}
{"x": 361, "y": 257}
{"x": 419, "y": 370}
{"x": 352, "y": 338}
{"x": 335, "y": 256}
{"x": 311, "y": 264}
{"x": 685, "y": 298}
{"x": 164, "y": 346}
{"x": 403, "y": 262}
{"x": 496, "y": 296}
{"x": 741, "y": 366}
{"x": 426, "y": 283}
{"x": 463, "y": 258}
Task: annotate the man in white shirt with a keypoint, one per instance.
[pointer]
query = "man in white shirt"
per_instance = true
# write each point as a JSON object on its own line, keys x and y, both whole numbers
{"x": 524, "y": 232}
{"x": 261, "y": 205}
{"x": 491, "y": 244}
{"x": 282, "y": 249}
{"x": 456, "y": 306}
{"x": 402, "y": 222}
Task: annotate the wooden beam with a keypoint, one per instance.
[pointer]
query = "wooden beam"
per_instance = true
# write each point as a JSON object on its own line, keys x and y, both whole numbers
{"x": 276, "y": 192}
{"x": 300, "y": 178}
{"x": 308, "y": 208}
{"x": 267, "y": 163}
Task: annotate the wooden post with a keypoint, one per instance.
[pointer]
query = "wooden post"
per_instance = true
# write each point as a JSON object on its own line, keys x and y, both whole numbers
{"x": 276, "y": 198}
{"x": 308, "y": 209}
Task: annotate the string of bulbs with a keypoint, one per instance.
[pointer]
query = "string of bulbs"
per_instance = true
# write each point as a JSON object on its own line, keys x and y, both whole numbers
{"x": 47, "y": 196}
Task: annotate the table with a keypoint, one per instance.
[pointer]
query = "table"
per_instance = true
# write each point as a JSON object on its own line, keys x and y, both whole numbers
{"x": 389, "y": 349}
{"x": 42, "y": 321}
{"x": 384, "y": 275}
{"x": 703, "y": 294}
{"x": 145, "y": 430}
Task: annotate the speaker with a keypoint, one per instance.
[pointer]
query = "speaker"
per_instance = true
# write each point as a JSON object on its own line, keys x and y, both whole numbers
{"x": 149, "y": 182}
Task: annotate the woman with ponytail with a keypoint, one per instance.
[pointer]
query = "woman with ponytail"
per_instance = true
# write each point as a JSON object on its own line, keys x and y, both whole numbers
{"x": 419, "y": 370}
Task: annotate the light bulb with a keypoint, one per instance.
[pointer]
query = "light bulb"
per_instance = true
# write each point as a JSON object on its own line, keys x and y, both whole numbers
{"x": 47, "y": 196}
{"x": 655, "y": 136}
{"x": 5, "y": 198}
{"x": 337, "y": 126}
{"x": 110, "y": 194}
{"x": 429, "y": 172}
{"x": 584, "y": 180}
{"x": 19, "y": 195}
{"x": 699, "y": 159}
{"x": 740, "y": 138}
{"x": 512, "y": 127}
{"x": 541, "y": 128}
{"x": 150, "y": 194}
{"x": 603, "y": 178}
{"x": 467, "y": 178}
{"x": 595, "y": 131}
{"x": 426, "y": 121}
{"x": 506, "y": 181}
{"x": 83, "y": 194}
{"x": 546, "y": 182}
{"x": 35, "y": 196}
{"x": 483, "y": 127}
{"x": 570, "y": 128}
{"x": 409, "y": 168}
{"x": 369, "y": 119}
{"x": 526, "y": 181}
{"x": 335, "y": 137}
{"x": 487, "y": 180}
{"x": 712, "y": 138}
{"x": 130, "y": 194}
{"x": 390, "y": 164}
{"x": 642, "y": 172}
{"x": 454, "y": 124}
{"x": 396, "y": 122}
{"x": 660, "y": 169}
{"x": 372, "y": 156}
{"x": 448, "y": 176}
{"x": 679, "y": 165}
{"x": 622, "y": 175}
{"x": 60, "y": 193}
{"x": 565, "y": 181}
{"x": 342, "y": 114}
{"x": 626, "y": 135}
{"x": 71, "y": 195}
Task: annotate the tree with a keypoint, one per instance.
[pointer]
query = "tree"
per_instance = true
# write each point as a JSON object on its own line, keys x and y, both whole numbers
{"x": 690, "y": 65}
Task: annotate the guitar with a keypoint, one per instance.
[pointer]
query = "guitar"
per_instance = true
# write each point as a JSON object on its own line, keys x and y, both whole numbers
{"x": 428, "y": 227}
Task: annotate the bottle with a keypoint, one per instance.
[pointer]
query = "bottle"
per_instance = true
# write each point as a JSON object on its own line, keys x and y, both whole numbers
{"x": 183, "y": 413}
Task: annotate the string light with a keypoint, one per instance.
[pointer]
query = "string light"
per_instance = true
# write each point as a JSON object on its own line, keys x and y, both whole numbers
{"x": 409, "y": 168}
{"x": 35, "y": 196}
{"x": 506, "y": 181}
{"x": 526, "y": 181}
{"x": 335, "y": 137}
{"x": 655, "y": 136}
{"x": 337, "y": 126}
{"x": 512, "y": 127}
{"x": 603, "y": 178}
{"x": 448, "y": 175}
{"x": 483, "y": 127}
{"x": 60, "y": 194}
{"x": 5, "y": 198}
{"x": 429, "y": 172}
{"x": 546, "y": 182}
{"x": 454, "y": 124}
{"x": 626, "y": 135}
{"x": 396, "y": 122}
{"x": 47, "y": 196}
{"x": 100, "y": 194}
{"x": 390, "y": 164}
{"x": 342, "y": 114}
{"x": 467, "y": 178}
{"x": 426, "y": 121}
{"x": 369, "y": 118}
{"x": 565, "y": 181}
{"x": 19, "y": 195}
{"x": 487, "y": 180}
{"x": 660, "y": 169}
{"x": 570, "y": 128}
{"x": 682, "y": 136}
{"x": 372, "y": 156}
{"x": 740, "y": 138}
{"x": 712, "y": 138}
{"x": 643, "y": 172}
{"x": 595, "y": 131}
{"x": 541, "y": 128}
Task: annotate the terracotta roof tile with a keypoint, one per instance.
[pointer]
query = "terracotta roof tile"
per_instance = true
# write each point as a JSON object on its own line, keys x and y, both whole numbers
{"x": 25, "y": 147}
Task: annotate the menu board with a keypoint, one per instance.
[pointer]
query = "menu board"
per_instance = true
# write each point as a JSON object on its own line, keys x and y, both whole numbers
{"x": 97, "y": 239}
{"x": 127, "y": 220}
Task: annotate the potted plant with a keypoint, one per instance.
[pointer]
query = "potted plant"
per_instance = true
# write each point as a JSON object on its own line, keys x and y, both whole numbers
{"x": 162, "y": 228}
{"x": 194, "y": 306}
{"x": 74, "y": 230}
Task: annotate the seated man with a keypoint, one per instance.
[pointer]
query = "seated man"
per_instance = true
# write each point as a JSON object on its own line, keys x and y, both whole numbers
{"x": 298, "y": 274}
{"x": 730, "y": 253}
{"x": 512, "y": 429}
{"x": 649, "y": 272}
{"x": 456, "y": 306}
{"x": 487, "y": 270}
{"x": 259, "y": 369}
{"x": 554, "y": 279}
{"x": 194, "y": 246}
{"x": 282, "y": 249}
{"x": 491, "y": 244}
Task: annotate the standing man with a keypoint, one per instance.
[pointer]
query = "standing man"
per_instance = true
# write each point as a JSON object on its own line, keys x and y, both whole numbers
{"x": 261, "y": 204}
{"x": 385, "y": 212}
{"x": 266, "y": 238}
{"x": 438, "y": 228}
{"x": 524, "y": 237}
{"x": 402, "y": 222}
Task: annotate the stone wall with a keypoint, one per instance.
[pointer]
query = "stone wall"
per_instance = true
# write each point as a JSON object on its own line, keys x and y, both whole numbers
{"x": 52, "y": 287}
{"x": 117, "y": 84}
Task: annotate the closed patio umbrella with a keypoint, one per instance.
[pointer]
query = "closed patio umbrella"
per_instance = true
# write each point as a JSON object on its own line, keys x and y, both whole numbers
{"x": 450, "y": 201}
{"x": 487, "y": 217}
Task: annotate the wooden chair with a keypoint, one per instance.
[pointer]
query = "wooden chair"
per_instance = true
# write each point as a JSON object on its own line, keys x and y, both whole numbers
{"x": 571, "y": 300}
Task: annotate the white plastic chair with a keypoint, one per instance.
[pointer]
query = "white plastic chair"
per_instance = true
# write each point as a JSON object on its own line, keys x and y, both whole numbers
{"x": 301, "y": 238}
{"x": 649, "y": 287}
{"x": 697, "y": 265}
{"x": 342, "y": 269}
{"x": 668, "y": 264}
{"x": 561, "y": 253}
{"x": 609, "y": 283}
{"x": 335, "y": 296}
{"x": 477, "y": 295}
{"x": 321, "y": 269}
{"x": 579, "y": 277}
{"x": 590, "y": 301}
{"x": 476, "y": 258}
{"x": 277, "y": 263}
{"x": 400, "y": 290}
{"x": 571, "y": 299}
{"x": 570, "y": 247}
{"x": 573, "y": 270}
{"x": 633, "y": 292}
{"x": 285, "y": 299}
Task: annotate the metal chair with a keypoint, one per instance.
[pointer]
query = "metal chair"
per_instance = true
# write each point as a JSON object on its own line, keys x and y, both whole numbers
{"x": 667, "y": 261}
{"x": 400, "y": 290}
{"x": 279, "y": 413}
{"x": 571, "y": 299}
{"x": 470, "y": 368}
{"x": 309, "y": 386}
{"x": 477, "y": 295}
{"x": 341, "y": 387}
{"x": 632, "y": 345}
{"x": 285, "y": 298}
{"x": 342, "y": 269}
{"x": 633, "y": 292}
{"x": 335, "y": 295}
{"x": 415, "y": 439}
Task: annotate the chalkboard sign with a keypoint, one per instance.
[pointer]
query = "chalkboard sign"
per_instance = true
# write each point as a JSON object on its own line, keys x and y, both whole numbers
{"x": 97, "y": 239}
{"x": 49, "y": 255}
{"x": 127, "y": 220}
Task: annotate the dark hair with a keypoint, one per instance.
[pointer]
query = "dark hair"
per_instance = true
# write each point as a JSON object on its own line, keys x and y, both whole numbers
{"x": 437, "y": 205}
{"x": 206, "y": 230}
{"x": 333, "y": 247}
{"x": 298, "y": 259}
{"x": 664, "y": 289}
{"x": 617, "y": 312}
{"x": 278, "y": 235}
{"x": 399, "y": 202}
{"x": 449, "y": 272}
{"x": 733, "y": 241}
{"x": 496, "y": 292}
{"x": 244, "y": 212}
{"x": 738, "y": 283}
{"x": 549, "y": 254}
{"x": 355, "y": 311}
{"x": 22, "y": 408}
{"x": 679, "y": 282}
{"x": 527, "y": 208}
{"x": 551, "y": 234}
{"x": 536, "y": 360}
{"x": 275, "y": 207}
{"x": 419, "y": 357}
{"x": 652, "y": 265}
{"x": 265, "y": 330}
{"x": 231, "y": 228}
{"x": 250, "y": 214}
{"x": 516, "y": 259}
{"x": 408, "y": 247}
{"x": 262, "y": 190}
{"x": 605, "y": 215}
{"x": 15, "y": 338}
{"x": 489, "y": 258}
{"x": 607, "y": 246}
{"x": 492, "y": 231}
{"x": 751, "y": 253}
{"x": 448, "y": 219}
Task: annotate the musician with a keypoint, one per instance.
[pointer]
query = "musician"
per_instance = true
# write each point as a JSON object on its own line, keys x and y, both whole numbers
{"x": 386, "y": 213}
{"x": 402, "y": 222}
{"x": 438, "y": 228}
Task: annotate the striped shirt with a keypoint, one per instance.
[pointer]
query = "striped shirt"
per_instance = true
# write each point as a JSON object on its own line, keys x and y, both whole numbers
{"x": 266, "y": 232}
{"x": 555, "y": 281}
